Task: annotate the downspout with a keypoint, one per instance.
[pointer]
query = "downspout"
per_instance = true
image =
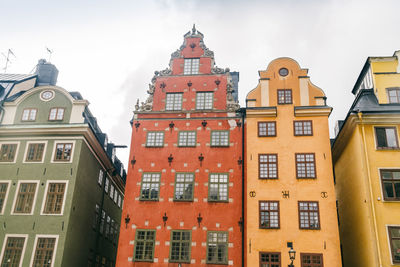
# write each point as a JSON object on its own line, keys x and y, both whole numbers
{"x": 243, "y": 113}
{"x": 359, "y": 114}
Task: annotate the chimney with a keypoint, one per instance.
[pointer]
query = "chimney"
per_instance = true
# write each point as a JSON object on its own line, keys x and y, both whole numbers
{"x": 47, "y": 73}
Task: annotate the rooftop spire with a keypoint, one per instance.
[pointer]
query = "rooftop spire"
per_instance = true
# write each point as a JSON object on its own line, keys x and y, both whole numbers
{"x": 194, "y": 29}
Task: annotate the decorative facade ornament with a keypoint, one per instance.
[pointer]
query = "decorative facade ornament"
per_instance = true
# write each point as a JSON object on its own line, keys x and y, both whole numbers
{"x": 231, "y": 104}
{"x": 216, "y": 70}
{"x": 176, "y": 54}
{"x": 137, "y": 105}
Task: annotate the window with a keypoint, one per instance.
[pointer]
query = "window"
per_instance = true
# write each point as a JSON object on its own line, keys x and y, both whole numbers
{"x": 386, "y": 137}
{"x": 266, "y": 128}
{"x": 107, "y": 231}
{"x": 111, "y": 191}
{"x": 180, "y": 246}
{"x": 219, "y": 138}
{"x": 268, "y": 166}
{"x": 116, "y": 233}
{"x": 150, "y": 186}
{"x": 96, "y": 216}
{"x": 25, "y": 198}
{"x": 204, "y": 100}
{"x": 100, "y": 178}
{"x": 44, "y": 252}
{"x": 3, "y": 195}
{"x": 217, "y": 247}
{"x": 54, "y": 198}
{"x": 29, "y": 114}
{"x": 112, "y": 230}
{"x": 394, "y": 95}
{"x": 119, "y": 201}
{"x": 115, "y": 195}
{"x": 187, "y": 138}
{"x": 106, "y": 185}
{"x": 394, "y": 235}
{"x": 7, "y": 152}
{"x": 302, "y": 128}
{"x": 144, "y": 245}
{"x": 63, "y": 152}
{"x": 305, "y": 165}
{"x": 284, "y": 96}
{"x": 56, "y": 114}
{"x": 191, "y": 66}
{"x": 35, "y": 152}
{"x": 155, "y": 139}
{"x": 311, "y": 260}
{"x": 270, "y": 259}
{"x": 13, "y": 251}
{"x": 309, "y": 215}
{"x": 184, "y": 183}
{"x": 102, "y": 221}
{"x": 218, "y": 187}
{"x": 390, "y": 184}
{"x": 269, "y": 214}
{"x": 173, "y": 101}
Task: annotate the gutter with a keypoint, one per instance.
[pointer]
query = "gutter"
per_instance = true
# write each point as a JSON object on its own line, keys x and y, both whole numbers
{"x": 243, "y": 114}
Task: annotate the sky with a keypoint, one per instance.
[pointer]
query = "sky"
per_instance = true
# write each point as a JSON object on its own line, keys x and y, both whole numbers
{"x": 109, "y": 50}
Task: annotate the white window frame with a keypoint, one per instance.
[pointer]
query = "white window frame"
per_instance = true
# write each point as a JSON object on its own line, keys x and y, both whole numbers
{"x": 55, "y": 147}
{"x": 115, "y": 195}
{"x": 16, "y": 150}
{"x": 35, "y": 244}
{"x": 188, "y": 66}
{"x": 204, "y": 102}
{"x": 34, "y": 198}
{"x": 57, "y": 113}
{"x": 174, "y": 103}
{"x": 29, "y": 114}
{"x": 100, "y": 178}
{"x": 26, "y": 151}
{"x": 23, "y": 249}
{"x": 45, "y": 197}
{"x": 106, "y": 185}
{"x": 112, "y": 191}
{"x": 6, "y": 196}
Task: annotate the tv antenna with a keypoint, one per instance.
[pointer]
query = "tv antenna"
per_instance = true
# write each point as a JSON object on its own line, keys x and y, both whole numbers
{"x": 50, "y": 53}
{"x": 8, "y": 59}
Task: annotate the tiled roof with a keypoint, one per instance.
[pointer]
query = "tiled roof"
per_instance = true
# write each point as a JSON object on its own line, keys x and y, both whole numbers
{"x": 7, "y": 77}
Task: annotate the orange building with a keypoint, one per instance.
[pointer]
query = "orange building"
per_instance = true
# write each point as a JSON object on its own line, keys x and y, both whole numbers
{"x": 183, "y": 203}
{"x": 290, "y": 197}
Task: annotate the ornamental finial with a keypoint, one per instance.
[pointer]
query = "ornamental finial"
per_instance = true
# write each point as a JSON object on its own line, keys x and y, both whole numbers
{"x": 194, "y": 29}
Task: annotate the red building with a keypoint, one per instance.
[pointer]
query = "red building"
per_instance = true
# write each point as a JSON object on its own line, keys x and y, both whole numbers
{"x": 183, "y": 196}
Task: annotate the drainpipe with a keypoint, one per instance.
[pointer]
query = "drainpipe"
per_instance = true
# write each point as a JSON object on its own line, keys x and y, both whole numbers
{"x": 243, "y": 113}
{"x": 366, "y": 162}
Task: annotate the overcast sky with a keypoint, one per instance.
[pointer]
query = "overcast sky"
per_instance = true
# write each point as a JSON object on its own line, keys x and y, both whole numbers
{"x": 109, "y": 50}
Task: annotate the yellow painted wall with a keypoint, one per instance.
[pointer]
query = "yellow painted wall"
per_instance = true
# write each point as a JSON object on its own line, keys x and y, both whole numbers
{"x": 383, "y": 81}
{"x": 285, "y": 144}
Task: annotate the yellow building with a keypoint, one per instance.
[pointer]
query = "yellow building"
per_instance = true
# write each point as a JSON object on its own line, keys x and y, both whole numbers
{"x": 290, "y": 197}
{"x": 366, "y": 157}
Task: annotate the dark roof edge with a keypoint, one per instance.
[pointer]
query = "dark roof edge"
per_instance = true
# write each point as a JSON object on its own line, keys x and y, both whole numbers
{"x": 361, "y": 76}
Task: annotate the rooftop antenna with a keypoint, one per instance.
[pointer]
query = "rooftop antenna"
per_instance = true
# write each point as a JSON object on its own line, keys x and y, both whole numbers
{"x": 8, "y": 60}
{"x": 50, "y": 53}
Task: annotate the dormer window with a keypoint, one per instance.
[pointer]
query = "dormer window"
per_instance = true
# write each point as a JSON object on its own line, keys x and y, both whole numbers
{"x": 393, "y": 95}
{"x": 56, "y": 114}
{"x": 191, "y": 66}
{"x": 29, "y": 114}
{"x": 284, "y": 96}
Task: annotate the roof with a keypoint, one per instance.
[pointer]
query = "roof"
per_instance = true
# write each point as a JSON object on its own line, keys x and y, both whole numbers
{"x": 7, "y": 82}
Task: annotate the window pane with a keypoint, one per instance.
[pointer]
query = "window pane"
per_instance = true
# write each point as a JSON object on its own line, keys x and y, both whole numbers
{"x": 155, "y": 139}
{"x": 381, "y": 137}
{"x": 218, "y": 187}
{"x": 44, "y": 252}
{"x": 184, "y": 186}
{"x": 54, "y": 198}
{"x": 26, "y": 194}
{"x": 13, "y": 251}
{"x": 3, "y": 191}
{"x": 150, "y": 186}
{"x": 173, "y": 101}
{"x": 7, "y": 152}
{"x": 391, "y": 137}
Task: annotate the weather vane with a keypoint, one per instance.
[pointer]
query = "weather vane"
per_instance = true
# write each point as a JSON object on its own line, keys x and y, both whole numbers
{"x": 8, "y": 59}
{"x": 50, "y": 53}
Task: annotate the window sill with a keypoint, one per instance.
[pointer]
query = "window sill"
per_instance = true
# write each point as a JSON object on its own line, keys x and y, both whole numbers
{"x": 217, "y": 263}
{"x": 218, "y": 201}
{"x": 263, "y": 178}
{"x": 183, "y": 200}
{"x": 387, "y": 148}
{"x": 151, "y": 200}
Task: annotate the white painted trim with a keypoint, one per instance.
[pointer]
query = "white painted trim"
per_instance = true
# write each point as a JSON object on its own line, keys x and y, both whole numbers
{"x": 54, "y": 151}
{"x": 6, "y": 197}
{"x": 54, "y": 251}
{"x": 26, "y": 151}
{"x": 47, "y": 90}
{"x": 45, "y": 195}
{"x": 388, "y": 240}
{"x": 41, "y": 138}
{"x": 16, "y": 151}
{"x": 34, "y": 198}
{"x": 23, "y": 249}
{"x": 380, "y": 182}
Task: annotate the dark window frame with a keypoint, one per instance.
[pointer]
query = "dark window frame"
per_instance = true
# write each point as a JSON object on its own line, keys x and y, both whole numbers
{"x": 272, "y": 264}
{"x": 65, "y": 157}
{"x": 392, "y": 181}
{"x": 267, "y": 123}
{"x": 391, "y": 239}
{"x": 54, "y": 205}
{"x": 8, "y": 151}
{"x": 302, "y": 128}
{"x": 4, "y": 187}
{"x": 386, "y": 147}
{"x": 12, "y": 251}
{"x": 41, "y": 251}
{"x": 269, "y": 214}
{"x": 285, "y": 100}
{"x": 37, "y": 147}
{"x": 308, "y": 212}
{"x": 314, "y": 162}
{"x": 397, "y": 91}
{"x": 28, "y": 196}
{"x": 268, "y": 166}
{"x": 311, "y": 264}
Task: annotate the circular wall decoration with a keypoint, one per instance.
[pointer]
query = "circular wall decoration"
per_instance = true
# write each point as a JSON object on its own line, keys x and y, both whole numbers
{"x": 47, "y": 95}
{"x": 283, "y": 72}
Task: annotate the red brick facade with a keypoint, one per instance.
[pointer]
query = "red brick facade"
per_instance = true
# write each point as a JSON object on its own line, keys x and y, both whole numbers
{"x": 163, "y": 144}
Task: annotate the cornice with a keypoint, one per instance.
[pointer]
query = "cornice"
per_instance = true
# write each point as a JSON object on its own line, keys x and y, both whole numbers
{"x": 261, "y": 112}
{"x": 311, "y": 111}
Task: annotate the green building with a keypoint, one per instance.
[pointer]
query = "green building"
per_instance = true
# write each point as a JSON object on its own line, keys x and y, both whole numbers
{"x": 61, "y": 186}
